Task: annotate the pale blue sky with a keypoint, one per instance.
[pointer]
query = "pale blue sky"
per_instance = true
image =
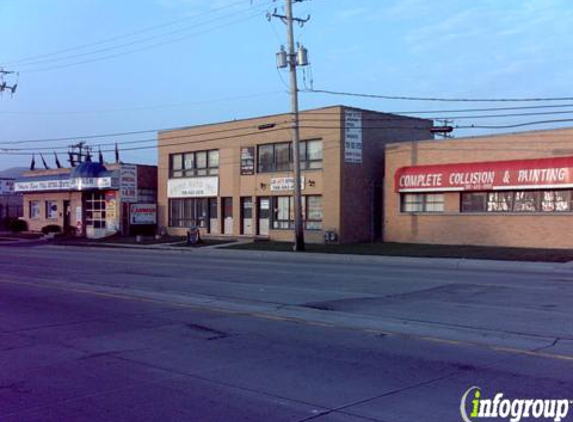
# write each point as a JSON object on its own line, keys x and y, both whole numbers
{"x": 225, "y": 49}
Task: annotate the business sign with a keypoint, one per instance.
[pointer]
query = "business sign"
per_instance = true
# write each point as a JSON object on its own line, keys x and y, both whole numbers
{"x": 78, "y": 183}
{"x": 543, "y": 173}
{"x": 6, "y": 186}
{"x": 85, "y": 183}
{"x": 128, "y": 182}
{"x": 282, "y": 184}
{"x": 143, "y": 214}
{"x": 42, "y": 185}
{"x": 352, "y": 137}
{"x": 247, "y": 160}
{"x": 193, "y": 187}
{"x": 111, "y": 211}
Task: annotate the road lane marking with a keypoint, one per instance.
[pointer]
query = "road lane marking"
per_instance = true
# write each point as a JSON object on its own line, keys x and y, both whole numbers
{"x": 262, "y": 315}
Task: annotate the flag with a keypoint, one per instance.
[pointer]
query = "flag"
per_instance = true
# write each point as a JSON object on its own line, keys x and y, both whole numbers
{"x": 116, "y": 153}
{"x": 33, "y": 163}
{"x": 88, "y": 157}
{"x": 100, "y": 157}
{"x": 58, "y": 164}
{"x": 44, "y": 162}
{"x": 71, "y": 159}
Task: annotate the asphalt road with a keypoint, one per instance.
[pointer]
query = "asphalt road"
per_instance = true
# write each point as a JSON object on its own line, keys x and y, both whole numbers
{"x": 124, "y": 335}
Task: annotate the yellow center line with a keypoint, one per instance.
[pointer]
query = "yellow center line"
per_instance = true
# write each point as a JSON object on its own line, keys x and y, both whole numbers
{"x": 266, "y": 316}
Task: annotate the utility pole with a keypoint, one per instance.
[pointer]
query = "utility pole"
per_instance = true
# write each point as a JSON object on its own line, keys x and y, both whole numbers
{"x": 292, "y": 59}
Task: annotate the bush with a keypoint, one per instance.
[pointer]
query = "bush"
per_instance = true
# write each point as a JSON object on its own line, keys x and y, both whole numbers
{"x": 18, "y": 226}
{"x": 51, "y": 228}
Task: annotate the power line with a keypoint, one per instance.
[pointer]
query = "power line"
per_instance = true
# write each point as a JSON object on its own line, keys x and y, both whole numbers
{"x": 19, "y": 151}
{"x": 150, "y": 107}
{"x": 148, "y": 47}
{"x": 136, "y": 42}
{"x": 127, "y": 35}
{"x": 410, "y": 98}
{"x": 306, "y": 118}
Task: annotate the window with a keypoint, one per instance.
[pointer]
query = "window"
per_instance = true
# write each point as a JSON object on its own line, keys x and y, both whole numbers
{"x": 313, "y": 215}
{"x": 474, "y": 202}
{"x": 191, "y": 211}
{"x": 34, "y": 210}
{"x": 95, "y": 210}
{"x": 311, "y": 154}
{"x": 556, "y": 201}
{"x": 51, "y": 209}
{"x": 278, "y": 157}
{"x": 422, "y": 202}
{"x": 189, "y": 164}
{"x": 527, "y": 201}
{"x": 283, "y": 212}
{"x": 517, "y": 201}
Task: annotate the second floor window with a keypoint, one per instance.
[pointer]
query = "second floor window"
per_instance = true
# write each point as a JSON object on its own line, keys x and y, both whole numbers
{"x": 197, "y": 163}
{"x": 278, "y": 157}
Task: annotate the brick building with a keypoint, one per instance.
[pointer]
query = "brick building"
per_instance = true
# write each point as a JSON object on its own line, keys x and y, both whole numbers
{"x": 506, "y": 190}
{"x": 235, "y": 178}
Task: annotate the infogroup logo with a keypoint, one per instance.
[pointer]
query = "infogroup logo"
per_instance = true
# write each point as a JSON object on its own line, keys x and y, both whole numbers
{"x": 511, "y": 409}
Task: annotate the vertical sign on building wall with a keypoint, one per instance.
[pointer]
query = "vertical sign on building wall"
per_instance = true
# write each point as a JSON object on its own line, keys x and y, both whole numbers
{"x": 128, "y": 182}
{"x": 352, "y": 137}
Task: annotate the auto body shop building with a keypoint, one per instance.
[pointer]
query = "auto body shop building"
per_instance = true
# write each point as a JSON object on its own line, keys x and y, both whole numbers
{"x": 506, "y": 190}
{"x": 236, "y": 179}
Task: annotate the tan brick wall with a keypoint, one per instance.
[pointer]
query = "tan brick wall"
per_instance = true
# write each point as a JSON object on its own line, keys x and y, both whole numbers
{"x": 37, "y": 224}
{"x": 322, "y": 124}
{"x": 544, "y": 230}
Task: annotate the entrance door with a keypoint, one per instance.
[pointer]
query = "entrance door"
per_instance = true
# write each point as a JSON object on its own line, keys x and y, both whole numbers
{"x": 67, "y": 216}
{"x": 264, "y": 213}
{"x": 227, "y": 205}
{"x": 247, "y": 216}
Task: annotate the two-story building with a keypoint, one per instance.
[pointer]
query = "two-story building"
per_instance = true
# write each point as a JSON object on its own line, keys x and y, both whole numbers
{"x": 236, "y": 178}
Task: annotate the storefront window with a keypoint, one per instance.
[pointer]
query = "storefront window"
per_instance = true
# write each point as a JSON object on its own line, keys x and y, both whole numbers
{"x": 283, "y": 212}
{"x": 34, "y": 210}
{"x": 51, "y": 209}
{"x": 517, "y": 201}
{"x": 499, "y": 201}
{"x": 527, "y": 201}
{"x": 474, "y": 202}
{"x": 313, "y": 215}
{"x": 95, "y": 210}
{"x": 422, "y": 202}
{"x": 191, "y": 211}
{"x": 557, "y": 201}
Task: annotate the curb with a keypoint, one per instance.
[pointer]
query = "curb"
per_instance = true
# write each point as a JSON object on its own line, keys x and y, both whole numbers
{"x": 459, "y": 264}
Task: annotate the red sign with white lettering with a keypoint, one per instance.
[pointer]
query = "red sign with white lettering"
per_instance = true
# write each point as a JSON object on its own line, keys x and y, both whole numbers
{"x": 543, "y": 173}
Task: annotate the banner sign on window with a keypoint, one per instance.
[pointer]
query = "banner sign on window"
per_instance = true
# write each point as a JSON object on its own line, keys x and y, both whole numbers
{"x": 353, "y": 137}
{"x": 248, "y": 160}
{"x": 542, "y": 173}
{"x": 193, "y": 187}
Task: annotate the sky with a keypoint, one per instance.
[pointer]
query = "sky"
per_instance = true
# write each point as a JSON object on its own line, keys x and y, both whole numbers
{"x": 90, "y": 67}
